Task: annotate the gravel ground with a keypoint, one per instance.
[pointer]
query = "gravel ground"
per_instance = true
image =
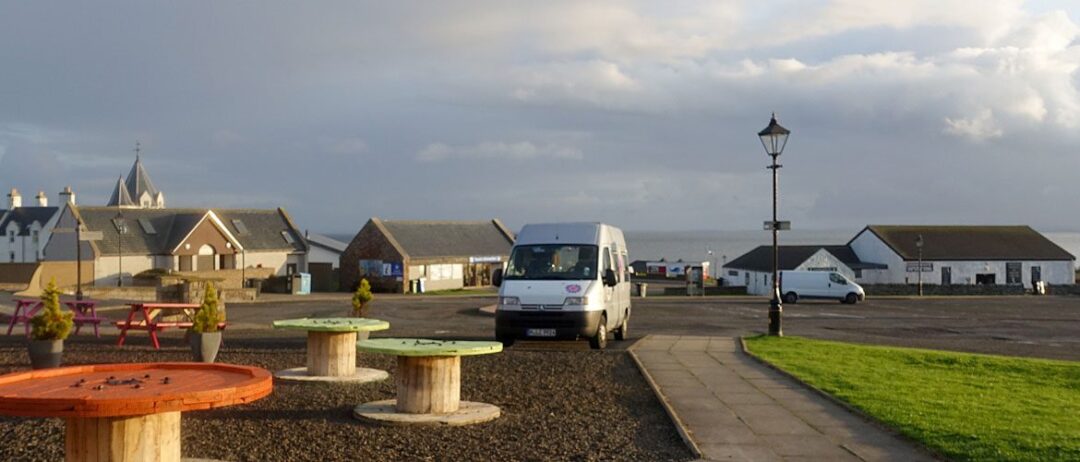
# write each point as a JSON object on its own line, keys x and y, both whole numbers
{"x": 557, "y": 405}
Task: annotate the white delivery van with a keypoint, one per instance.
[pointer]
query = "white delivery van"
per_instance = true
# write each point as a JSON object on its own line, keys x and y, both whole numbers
{"x": 797, "y": 285}
{"x": 565, "y": 281}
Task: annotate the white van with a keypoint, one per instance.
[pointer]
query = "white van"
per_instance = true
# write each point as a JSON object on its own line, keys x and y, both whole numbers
{"x": 796, "y": 285}
{"x": 565, "y": 281}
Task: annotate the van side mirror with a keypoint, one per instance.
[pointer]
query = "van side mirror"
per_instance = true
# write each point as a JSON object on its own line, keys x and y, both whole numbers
{"x": 497, "y": 277}
{"x": 609, "y": 278}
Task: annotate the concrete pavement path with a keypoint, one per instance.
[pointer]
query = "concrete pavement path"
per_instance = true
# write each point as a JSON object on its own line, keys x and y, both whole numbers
{"x": 730, "y": 407}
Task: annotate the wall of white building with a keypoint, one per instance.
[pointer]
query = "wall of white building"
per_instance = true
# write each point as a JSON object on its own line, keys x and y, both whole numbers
{"x": 25, "y": 249}
{"x": 317, "y": 254}
{"x": 107, "y": 269}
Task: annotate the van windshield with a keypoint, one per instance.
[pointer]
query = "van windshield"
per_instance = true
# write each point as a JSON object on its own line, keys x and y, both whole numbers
{"x": 552, "y": 262}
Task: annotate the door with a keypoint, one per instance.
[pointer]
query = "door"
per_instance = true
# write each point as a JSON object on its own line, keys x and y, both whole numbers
{"x": 610, "y": 300}
{"x": 946, "y": 276}
{"x": 1036, "y": 275}
{"x": 838, "y": 286}
{"x": 185, "y": 262}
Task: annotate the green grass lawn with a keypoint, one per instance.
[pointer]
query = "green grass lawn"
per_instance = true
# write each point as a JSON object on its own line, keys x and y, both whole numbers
{"x": 965, "y": 406}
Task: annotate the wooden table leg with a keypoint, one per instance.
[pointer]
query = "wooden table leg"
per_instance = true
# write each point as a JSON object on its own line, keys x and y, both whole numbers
{"x": 331, "y": 354}
{"x": 428, "y": 384}
{"x": 123, "y": 439}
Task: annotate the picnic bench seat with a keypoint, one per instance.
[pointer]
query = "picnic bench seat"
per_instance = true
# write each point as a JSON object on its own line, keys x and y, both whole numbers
{"x": 154, "y": 319}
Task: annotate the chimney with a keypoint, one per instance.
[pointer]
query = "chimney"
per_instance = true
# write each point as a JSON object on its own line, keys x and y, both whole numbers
{"x": 42, "y": 199}
{"x": 15, "y": 199}
{"x": 67, "y": 196}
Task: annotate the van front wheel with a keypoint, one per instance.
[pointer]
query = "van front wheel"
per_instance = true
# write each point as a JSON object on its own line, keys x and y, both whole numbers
{"x": 791, "y": 297}
{"x": 851, "y": 299}
{"x": 599, "y": 341}
{"x": 621, "y": 332}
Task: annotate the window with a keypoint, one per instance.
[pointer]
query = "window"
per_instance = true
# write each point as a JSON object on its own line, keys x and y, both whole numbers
{"x": 288, "y": 237}
{"x": 146, "y": 226}
{"x": 1013, "y": 273}
{"x": 837, "y": 278}
{"x": 241, "y": 228}
{"x": 554, "y": 262}
{"x": 120, "y": 225}
{"x": 732, "y": 273}
{"x": 858, "y": 274}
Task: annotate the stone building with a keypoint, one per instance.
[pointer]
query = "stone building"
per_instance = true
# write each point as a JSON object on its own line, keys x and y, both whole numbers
{"x": 188, "y": 240}
{"x": 395, "y": 255}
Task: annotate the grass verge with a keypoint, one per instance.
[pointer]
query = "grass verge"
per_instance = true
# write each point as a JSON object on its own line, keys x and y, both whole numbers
{"x": 964, "y": 406}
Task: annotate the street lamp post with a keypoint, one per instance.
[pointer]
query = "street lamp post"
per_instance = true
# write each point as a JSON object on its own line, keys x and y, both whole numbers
{"x": 774, "y": 138}
{"x": 121, "y": 229}
{"x": 918, "y": 245}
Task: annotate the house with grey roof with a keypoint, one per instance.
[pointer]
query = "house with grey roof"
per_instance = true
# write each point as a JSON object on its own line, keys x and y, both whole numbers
{"x": 896, "y": 254}
{"x": 324, "y": 256}
{"x": 963, "y": 255}
{"x": 439, "y": 255}
{"x": 25, "y": 229}
{"x": 133, "y": 240}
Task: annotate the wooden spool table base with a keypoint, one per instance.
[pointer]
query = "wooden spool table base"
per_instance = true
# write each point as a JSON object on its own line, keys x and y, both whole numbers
{"x": 128, "y": 412}
{"x": 428, "y": 384}
{"x": 331, "y": 350}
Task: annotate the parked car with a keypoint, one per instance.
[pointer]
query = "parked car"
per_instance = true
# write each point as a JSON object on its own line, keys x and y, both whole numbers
{"x": 797, "y": 285}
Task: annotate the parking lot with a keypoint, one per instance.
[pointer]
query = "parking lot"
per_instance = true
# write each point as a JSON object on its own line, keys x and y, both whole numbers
{"x": 1046, "y": 327}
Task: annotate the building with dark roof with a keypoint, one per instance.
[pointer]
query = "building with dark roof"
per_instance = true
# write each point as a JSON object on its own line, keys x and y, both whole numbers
{"x": 890, "y": 255}
{"x": 135, "y": 240}
{"x": 441, "y": 254}
{"x": 324, "y": 256}
{"x": 24, "y": 230}
{"x": 963, "y": 255}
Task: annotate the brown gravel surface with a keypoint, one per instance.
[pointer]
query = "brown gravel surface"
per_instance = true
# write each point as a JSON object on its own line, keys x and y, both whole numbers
{"x": 557, "y": 405}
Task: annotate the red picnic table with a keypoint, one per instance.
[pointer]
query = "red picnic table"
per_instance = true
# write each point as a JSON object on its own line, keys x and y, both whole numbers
{"x": 85, "y": 313}
{"x": 151, "y": 319}
{"x": 25, "y": 308}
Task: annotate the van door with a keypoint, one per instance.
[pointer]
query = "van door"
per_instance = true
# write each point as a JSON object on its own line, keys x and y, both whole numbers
{"x": 838, "y": 286}
{"x": 610, "y": 300}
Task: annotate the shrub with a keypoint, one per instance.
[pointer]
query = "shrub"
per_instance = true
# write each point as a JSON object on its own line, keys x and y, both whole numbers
{"x": 208, "y": 316}
{"x": 50, "y": 323}
{"x": 361, "y": 298}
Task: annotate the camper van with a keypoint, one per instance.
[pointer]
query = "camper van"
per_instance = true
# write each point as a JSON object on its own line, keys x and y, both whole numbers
{"x": 565, "y": 281}
{"x": 797, "y": 285}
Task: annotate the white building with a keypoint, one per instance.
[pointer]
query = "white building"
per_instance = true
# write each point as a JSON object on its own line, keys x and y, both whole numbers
{"x": 963, "y": 255}
{"x": 950, "y": 255}
{"x": 26, "y": 229}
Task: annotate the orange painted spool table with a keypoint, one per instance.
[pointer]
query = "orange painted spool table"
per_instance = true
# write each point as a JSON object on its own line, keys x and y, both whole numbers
{"x": 128, "y": 412}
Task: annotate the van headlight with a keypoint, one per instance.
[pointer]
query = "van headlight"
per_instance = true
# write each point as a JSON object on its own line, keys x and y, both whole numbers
{"x": 576, "y": 301}
{"x": 509, "y": 301}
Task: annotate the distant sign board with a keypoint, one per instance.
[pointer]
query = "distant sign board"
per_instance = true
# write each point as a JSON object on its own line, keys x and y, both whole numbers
{"x": 779, "y": 225}
{"x": 91, "y": 236}
{"x": 927, "y": 267}
{"x": 486, "y": 259}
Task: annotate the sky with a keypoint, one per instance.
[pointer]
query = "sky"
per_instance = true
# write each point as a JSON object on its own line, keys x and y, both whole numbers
{"x": 640, "y": 114}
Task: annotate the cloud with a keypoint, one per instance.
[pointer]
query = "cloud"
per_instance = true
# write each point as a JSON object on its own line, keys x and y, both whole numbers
{"x": 980, "y": 127}
{"x": 498, "y": 151}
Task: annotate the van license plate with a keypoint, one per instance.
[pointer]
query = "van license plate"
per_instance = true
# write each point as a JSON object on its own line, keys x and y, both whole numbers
{"x": 540, "y": 332}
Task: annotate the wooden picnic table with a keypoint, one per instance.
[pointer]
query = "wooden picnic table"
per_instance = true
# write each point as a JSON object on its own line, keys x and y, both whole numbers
{"x": 25, "y": 308}
{"x": 128, "y": 412}
{"x": 151, "y": 319}
{"x": 331, "y": 349}
{"x": 428, "y": 383}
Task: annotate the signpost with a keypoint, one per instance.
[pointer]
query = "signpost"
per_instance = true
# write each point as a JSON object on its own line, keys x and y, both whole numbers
{"x": 81, "y": 236}
{"x": 777, "y": 225}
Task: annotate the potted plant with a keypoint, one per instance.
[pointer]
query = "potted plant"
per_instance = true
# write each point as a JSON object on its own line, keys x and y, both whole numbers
{"x": 50, "y": 327}
{"x": 204, "y": 337}
{"x": 361, "y": 298}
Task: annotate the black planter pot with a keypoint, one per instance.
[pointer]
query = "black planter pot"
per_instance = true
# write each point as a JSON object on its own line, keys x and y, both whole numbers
{"x": 204, "y": 346}
{"x": 45, "y": 354}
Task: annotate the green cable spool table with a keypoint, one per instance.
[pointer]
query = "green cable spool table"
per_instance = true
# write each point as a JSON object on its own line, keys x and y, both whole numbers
{"x": 428, "y": 383}
{"x": 331, "y": 349}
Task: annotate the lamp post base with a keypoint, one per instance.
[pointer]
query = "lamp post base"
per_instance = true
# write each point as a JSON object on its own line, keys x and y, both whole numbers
{"x": 776, "y": 312}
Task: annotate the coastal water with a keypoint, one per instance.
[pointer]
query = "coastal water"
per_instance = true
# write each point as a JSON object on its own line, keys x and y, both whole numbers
{"x": 728, "y": 245}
